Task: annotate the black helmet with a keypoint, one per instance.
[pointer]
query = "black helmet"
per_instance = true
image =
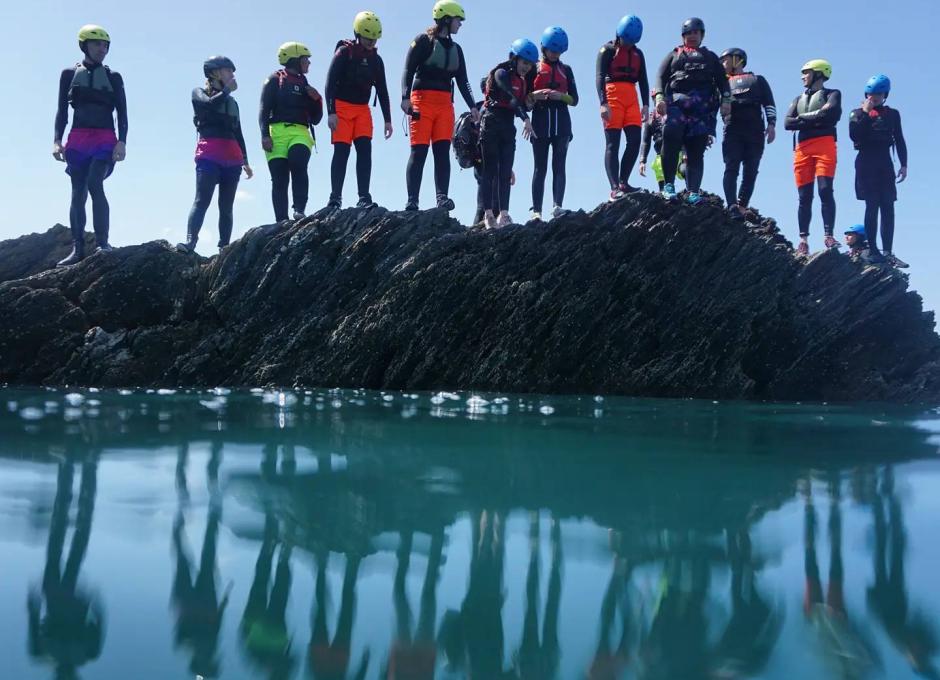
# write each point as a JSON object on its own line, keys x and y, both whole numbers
{"x": 693, "y": 24}
{"x": 213, "y": 63}
{"x": 735, "y": 52}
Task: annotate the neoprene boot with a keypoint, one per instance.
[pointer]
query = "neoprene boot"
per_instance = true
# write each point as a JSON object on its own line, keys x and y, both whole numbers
{"x": 78, "y": 254}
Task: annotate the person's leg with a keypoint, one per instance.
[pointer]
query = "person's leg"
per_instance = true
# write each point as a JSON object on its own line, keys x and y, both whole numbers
{"x": 732, "y": 152}
{"x": 630, "y": 153}
{"x": 77, "y": 217}
{"x": 887, "y": 224}
{"x": 280, "y": 179}
{"x": 828, "y": 200}
{"x": 871, "y": 223}
{"x": 539, "y": 171}
{"x": 228, "y": 185}
{"x": 805, "y": 210}
{"x": 100, "y": 210}
{"x": 559, "y": 172}
{"x": 298, "y": 156}
{"x": 341, "y": 152}
{"x": 611, "y": 157}
{"x": 695, "y": 149}
{"x": 207, "y": 176}
{"x": 507, "y": 155}
{"x": 364, "y": 166}
{"x": 478, "y": 176}
{"x": 441, "y": 151}
{"x": 414, "y": 172}
{"x": 673, "y": 134}
{"x": 488, "y": 189}
{"x": 753, "y": 151}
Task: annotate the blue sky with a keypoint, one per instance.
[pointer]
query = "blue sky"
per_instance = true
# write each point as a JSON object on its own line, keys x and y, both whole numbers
{"x": 159, "y": 49}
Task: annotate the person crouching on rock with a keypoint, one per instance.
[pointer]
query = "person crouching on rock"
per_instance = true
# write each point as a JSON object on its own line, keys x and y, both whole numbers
{"x": 356, "y": 68}
{"x": 220, "y": 152}
{"x": 856, "y": 241}
{"x": 290, "y": 107}
{"x": 506, "y": 95}
{"x": 95, "y": 92}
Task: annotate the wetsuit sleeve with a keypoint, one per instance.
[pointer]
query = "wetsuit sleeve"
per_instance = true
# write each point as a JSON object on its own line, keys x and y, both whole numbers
{"x": 767, "y": 101}
{"x": 200, "y": 96}
{"x": 268, "y": 96}
{"x": 120, "y": 105}
{"x": 644, "y": 80}
{"x": 792, "y": 120}
{"x": 720, "y": 77}
{"x": 504, "y": 83}
{"x": 647, "y": 141}
{"x": 62, "y": 111}
{"x": 662, "y": 76}
{"x": 332, "y": 78}
{"x": 381, "y": 88}
{"x": 899, "y": 142}
{"x": 604, "y": 58}
{"x": 239, "y": 137}
{"x": 315, "y": 106}
{"x": 463, "y": 82}
{"x": 828, "y": 115}
{"x": 419, "y": 51}
{"x": 573, "y": 97}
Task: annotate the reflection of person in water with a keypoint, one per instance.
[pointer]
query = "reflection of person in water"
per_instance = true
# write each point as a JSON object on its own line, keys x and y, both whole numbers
{"x": 198, "y": 608}
{"x": 70, "y": 632}
{"x": 330, "y": 660}
{"x": 537, "y": 661}
{"x": 414, "y": 657}
{"x": 910, "y": 632}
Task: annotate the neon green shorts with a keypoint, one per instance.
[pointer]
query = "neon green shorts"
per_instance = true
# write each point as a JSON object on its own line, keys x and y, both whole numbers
{"x": 658, "y": 169}
{"x": 284, "y": 136}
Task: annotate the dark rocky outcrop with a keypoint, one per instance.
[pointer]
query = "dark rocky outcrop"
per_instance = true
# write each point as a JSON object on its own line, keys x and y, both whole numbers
{"x": 34, "y": 253}
{"x": 638, "y": 297}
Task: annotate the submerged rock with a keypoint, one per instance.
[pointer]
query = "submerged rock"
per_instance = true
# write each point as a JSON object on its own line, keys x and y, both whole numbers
{"x": 638, "y": 297}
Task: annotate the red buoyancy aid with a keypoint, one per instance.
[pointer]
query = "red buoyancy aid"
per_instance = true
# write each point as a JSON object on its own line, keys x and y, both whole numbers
{"x": 495, "y": 97}
{"x": 550, "y": 76}
{"x": 625, "y": 65}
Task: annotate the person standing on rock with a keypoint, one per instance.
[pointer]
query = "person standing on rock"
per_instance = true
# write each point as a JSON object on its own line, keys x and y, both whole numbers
{"x": 875, "y": 128}
{"x": 813, "y": 117}
{"x": 95, "y": 93}
{"x": 506, "y": 93}
{"x": 553, "y": 91}
{"x": 290, "y": 107}
{"x": 743, "y": 141}
{"x": 689, "y": 85}
{"x": 356, "y": 68}
{"x": 621, "y": 66}
{"x": 433, "y": 63}
{"x": 220, "y": 152}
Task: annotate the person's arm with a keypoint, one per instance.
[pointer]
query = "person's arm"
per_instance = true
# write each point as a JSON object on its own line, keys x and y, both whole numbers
{"x": 332, "y": 78}
{"x": 120, "y": 105}
{"x": 62, "y": 111}
{"x": 200, "y": 96}
{"x": 899, "y": 142}
{"x": 315, "y": 107}
{"x": 381, "y": 88}
{"x": 239, "y": 137}
{"x": 463, "y": 82}
{"x": 767, "y": 101}
{"x": 268, "y": 95}
{"x": 828, "y": 115}
{"x": 859, "y": 126}
{"x": 647, "y": 141}
{"x": 644, "y": 80}
{"x": 662, "y": 77}
{"x": 600, "y": 72}
{"x": 419, "y": 51}
{"x": 792, "y": 120}
{"x": 504, "y": 83}
{"x": 572, "y": 98}
{"x": 720, "y": 78}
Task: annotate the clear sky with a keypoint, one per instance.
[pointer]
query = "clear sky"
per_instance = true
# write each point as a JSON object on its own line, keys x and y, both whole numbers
{"x": 159, "y": 49}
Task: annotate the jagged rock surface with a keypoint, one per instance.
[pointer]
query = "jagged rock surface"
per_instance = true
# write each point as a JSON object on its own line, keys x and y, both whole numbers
{"x": 638, "y": 297}
{"x": 34, "y": 253}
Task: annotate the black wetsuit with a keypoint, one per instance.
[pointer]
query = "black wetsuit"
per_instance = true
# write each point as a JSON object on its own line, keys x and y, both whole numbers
{"x": 94, "y": 104}
{"x": 874, "y": 134}
{"x": 551, "y": 128}
{"x": 505, "y": 99}
{"x": 352, "y": 75}
{"x": 617, "y": 63}
{"x": 743, "y": 141}
{"x": 652, "y": 137}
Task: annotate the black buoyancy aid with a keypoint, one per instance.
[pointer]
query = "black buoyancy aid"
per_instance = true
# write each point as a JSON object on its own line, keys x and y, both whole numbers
{"x": 292, "y": 104}
{"x": 360, "y": 66}
{"x": 624, "y": 65}
{"x": 882, "y": 126}
{"x": 496, "y": 97}
{"x": 550, "y": 76}
{"x": 690, "y": 69}
{"x": 92, "y": 86}
{"x": 812, "y": 102}
{"x": 217, "y": 119}
{"x": 744, "y": 89}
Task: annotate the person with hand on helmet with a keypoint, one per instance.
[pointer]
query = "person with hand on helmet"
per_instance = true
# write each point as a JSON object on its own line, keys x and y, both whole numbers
{"x": 689, "y": 85}
{"x": 220, "y": 152}
{"x": 813, "y": 117}
{"x": 356, "y": 68}
{"x": 552, "y": 90}
{"x": 433, "y": 63}
{"x": 744, "y": 133}
{"x": 290, "y": 107}
{"x": 95, "y": 93}
{"x": 875, "y": 128}
{"x": 505, "y": 98}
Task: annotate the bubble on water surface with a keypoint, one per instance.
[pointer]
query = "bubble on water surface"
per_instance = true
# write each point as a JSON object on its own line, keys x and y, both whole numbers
{"x": 74, "y": 399}
{"x": 31, "y": 413}
{"x": 547, "y": 410}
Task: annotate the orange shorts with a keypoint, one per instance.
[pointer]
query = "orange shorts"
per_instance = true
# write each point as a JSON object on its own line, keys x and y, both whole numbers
{"x": 624, "y": 106}
{"x": 814, "y": 158}
{"x": 436, "y": 123}
{"x": 355, "y": 121}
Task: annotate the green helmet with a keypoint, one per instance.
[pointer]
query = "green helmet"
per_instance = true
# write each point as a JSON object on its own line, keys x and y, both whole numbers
{"x": 821, "y": 66}
{"x": 291, "y": 50}
{"x": 448, "y": 8}
{"x": 368, "y": 25}
{"x": 92, "y": 32}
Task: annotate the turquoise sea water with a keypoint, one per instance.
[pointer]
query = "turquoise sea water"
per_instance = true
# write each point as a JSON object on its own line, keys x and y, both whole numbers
{"x": 348, "y": 534}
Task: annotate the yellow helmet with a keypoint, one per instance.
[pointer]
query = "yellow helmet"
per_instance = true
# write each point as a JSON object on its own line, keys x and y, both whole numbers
{"x": 291, "y": 50}
{"x": 92, "y": 32}
{"x": 448, "y": 8}
{"x": 368, "y": 25}
{"x": 820, "y": 66}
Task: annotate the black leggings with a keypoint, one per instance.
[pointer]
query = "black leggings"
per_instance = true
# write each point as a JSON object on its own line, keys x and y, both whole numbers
{"x": 872, "y": 208}
{"x": 619, "y": 169}
{"x": 89, "y": 180}
{"x": 207, "y": 177}
{"x": 498, "y": 141}
{"x": 291, "y": 170}
{"x": 493, "y": 196}
{"x": 826, "y": 198}
{"x": 673, "y": 143}
{"x": 741, "y": 150}
{"x": 415, "y": 169}
{"x": 540, "y": 148}
{"x": 363, "y": 166}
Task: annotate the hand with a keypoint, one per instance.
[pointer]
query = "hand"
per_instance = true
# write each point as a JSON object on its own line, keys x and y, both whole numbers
{"x": 771, "y": 134}
{"x": 902, "y": 174}
{"x": 388, "y": 129}
{"x": 267, "y": 143}
{"x": 249, "y": 173}
{"x": 643, "y": 169}
{"x": 512, "y": 178}
{"x": 312, "y": 93}
{"x": 119, "y": 153}
{"x": 661, "y": 107}
{"x": 645, "y": 113}
{"x": 58, "y": 151}
{"x": 867, "y": 105}
{"x": 540, "y": 95}
{"x": 332, "y": 121}
{"x": 605, "y": 112}
{"x": 475, "y": 114}
{"x": 406, "y": 106}
{"x": 555, "y": 95}
{"x": 527, "y": 130}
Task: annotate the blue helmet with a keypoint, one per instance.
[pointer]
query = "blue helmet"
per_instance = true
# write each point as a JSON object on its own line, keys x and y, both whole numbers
{"x": 630, "y": 29}
{"x": 525, "y": 49}
{"x": 858, "y": 229}
{"x": 879, "y": 84}
{"x": 555, "y": 39}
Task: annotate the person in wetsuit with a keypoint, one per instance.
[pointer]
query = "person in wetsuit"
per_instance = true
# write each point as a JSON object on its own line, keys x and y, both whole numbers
{"x": 621, "y": 66}
{"x": 856, "y": 241}
{"x": 506, "y": 94}
{"x": 743, "y": 141}
{"x": 653, "y": 137}
{"x": 553, "y": 90}
{"x": 290, "y": 107}
{"x": 813, "y": 117}
{"x": 689, "y": 84}
{"x": 220, "y": 152}
{"x": 356, "y": 68}
{"x": 95, "y": 93}
{"x": 433, "y": 62}
{"x": 875, "y": 128}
